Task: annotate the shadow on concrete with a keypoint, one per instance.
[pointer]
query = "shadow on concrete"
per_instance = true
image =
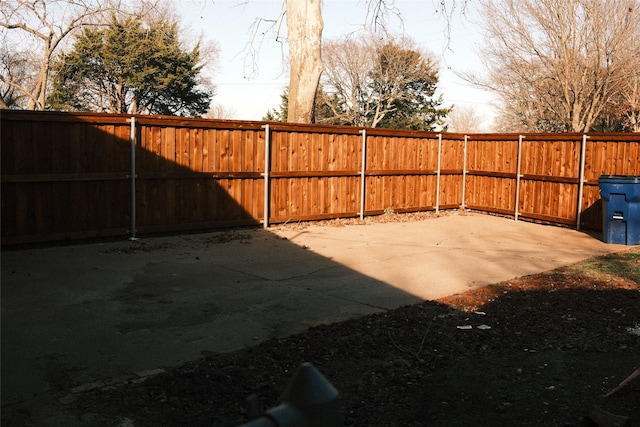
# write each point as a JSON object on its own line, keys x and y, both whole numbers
{"x": 550, "y": 352}
{"x": 85, "y": 314}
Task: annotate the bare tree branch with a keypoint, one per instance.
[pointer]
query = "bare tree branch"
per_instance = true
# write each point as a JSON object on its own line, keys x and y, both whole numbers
{"x": 259, "y": 30}
{"x": 557, "y": 63}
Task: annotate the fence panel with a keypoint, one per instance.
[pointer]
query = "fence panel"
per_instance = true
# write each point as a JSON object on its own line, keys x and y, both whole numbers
{"x": 314, "y": 175}
{"x": 196, "y": 175}
{"x": 550, "y": 178}
{"x": 451, "y": 172}
{"x": 401, "y": 172}
{"x": 491, "y": 174}
{"x": 63, "y": 178}
{"x": 68, "y": 176}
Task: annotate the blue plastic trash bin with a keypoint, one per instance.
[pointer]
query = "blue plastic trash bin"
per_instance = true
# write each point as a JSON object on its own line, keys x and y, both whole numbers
{"x": 620, "y": 209}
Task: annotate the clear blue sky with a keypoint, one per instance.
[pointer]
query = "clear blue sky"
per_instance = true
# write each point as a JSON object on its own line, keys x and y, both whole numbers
{"x": 250, "y": 94}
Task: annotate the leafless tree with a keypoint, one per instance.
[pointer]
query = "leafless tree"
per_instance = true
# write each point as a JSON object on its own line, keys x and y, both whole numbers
{"x": 38, "y": 29}
{"x": 220, "y": 111}
{"x": 347, "y": 65}
{"x": 629, "y": 96}
{"x": 464, "y": 120}
{"x": 622, "y": 113}
{"x": 368, "y": 76}
{"x": 15, "y": 66}
{"x": 556, "y": 64}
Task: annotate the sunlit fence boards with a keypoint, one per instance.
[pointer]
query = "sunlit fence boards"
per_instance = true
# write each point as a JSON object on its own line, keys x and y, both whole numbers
{"x": 196, "y": 174}
{"x": 74, "y": 176}
{"x": 314, "y": 173}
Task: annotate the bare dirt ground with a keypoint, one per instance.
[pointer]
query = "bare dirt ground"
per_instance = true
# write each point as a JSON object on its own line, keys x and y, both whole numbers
{"x": 538, "y": 350}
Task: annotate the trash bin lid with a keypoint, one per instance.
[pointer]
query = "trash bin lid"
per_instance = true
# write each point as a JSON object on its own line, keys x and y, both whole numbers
{"x": 629, "y": 178}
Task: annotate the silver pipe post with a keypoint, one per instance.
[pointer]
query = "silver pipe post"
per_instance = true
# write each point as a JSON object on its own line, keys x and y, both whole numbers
{"x": 464, "y": 171}
{"x": 132, "y": 141}
{"x": 363, "y": 172}
{"x": 267, "y": 183}
{"x": 518, "y": 176}
{"x": 583, "y": 150}
{"x": 438, "y": 173}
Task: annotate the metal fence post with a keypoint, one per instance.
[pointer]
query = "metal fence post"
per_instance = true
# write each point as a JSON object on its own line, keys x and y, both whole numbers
{"x": 583, "y": 150}
{"x": 132, "y": 141}
{"x": 464, "y": 171}
{"x": 516, "y": 212}
{"x": 267, "y": 183}
{"x": 438, "y": 173}
{"x": 363, "y": 172}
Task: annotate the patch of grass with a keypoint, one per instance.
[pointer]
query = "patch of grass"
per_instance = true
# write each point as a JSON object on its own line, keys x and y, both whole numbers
{"x": 622, "y": 265}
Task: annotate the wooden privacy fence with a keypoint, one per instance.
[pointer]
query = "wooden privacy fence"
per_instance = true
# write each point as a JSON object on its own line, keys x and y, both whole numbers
{"x": 72, "y": 176}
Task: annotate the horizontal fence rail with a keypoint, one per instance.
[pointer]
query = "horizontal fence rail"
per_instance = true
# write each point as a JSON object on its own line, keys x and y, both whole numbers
{"x": 73, "y": 175}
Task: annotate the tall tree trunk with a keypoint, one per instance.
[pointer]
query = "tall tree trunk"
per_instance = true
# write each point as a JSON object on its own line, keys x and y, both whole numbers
{"x": 39, "y": 92}
{"x": 304, "y": 29}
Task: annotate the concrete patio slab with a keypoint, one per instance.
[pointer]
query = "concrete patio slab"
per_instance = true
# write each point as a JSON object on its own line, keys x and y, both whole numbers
{"x": 85, "y": 315}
